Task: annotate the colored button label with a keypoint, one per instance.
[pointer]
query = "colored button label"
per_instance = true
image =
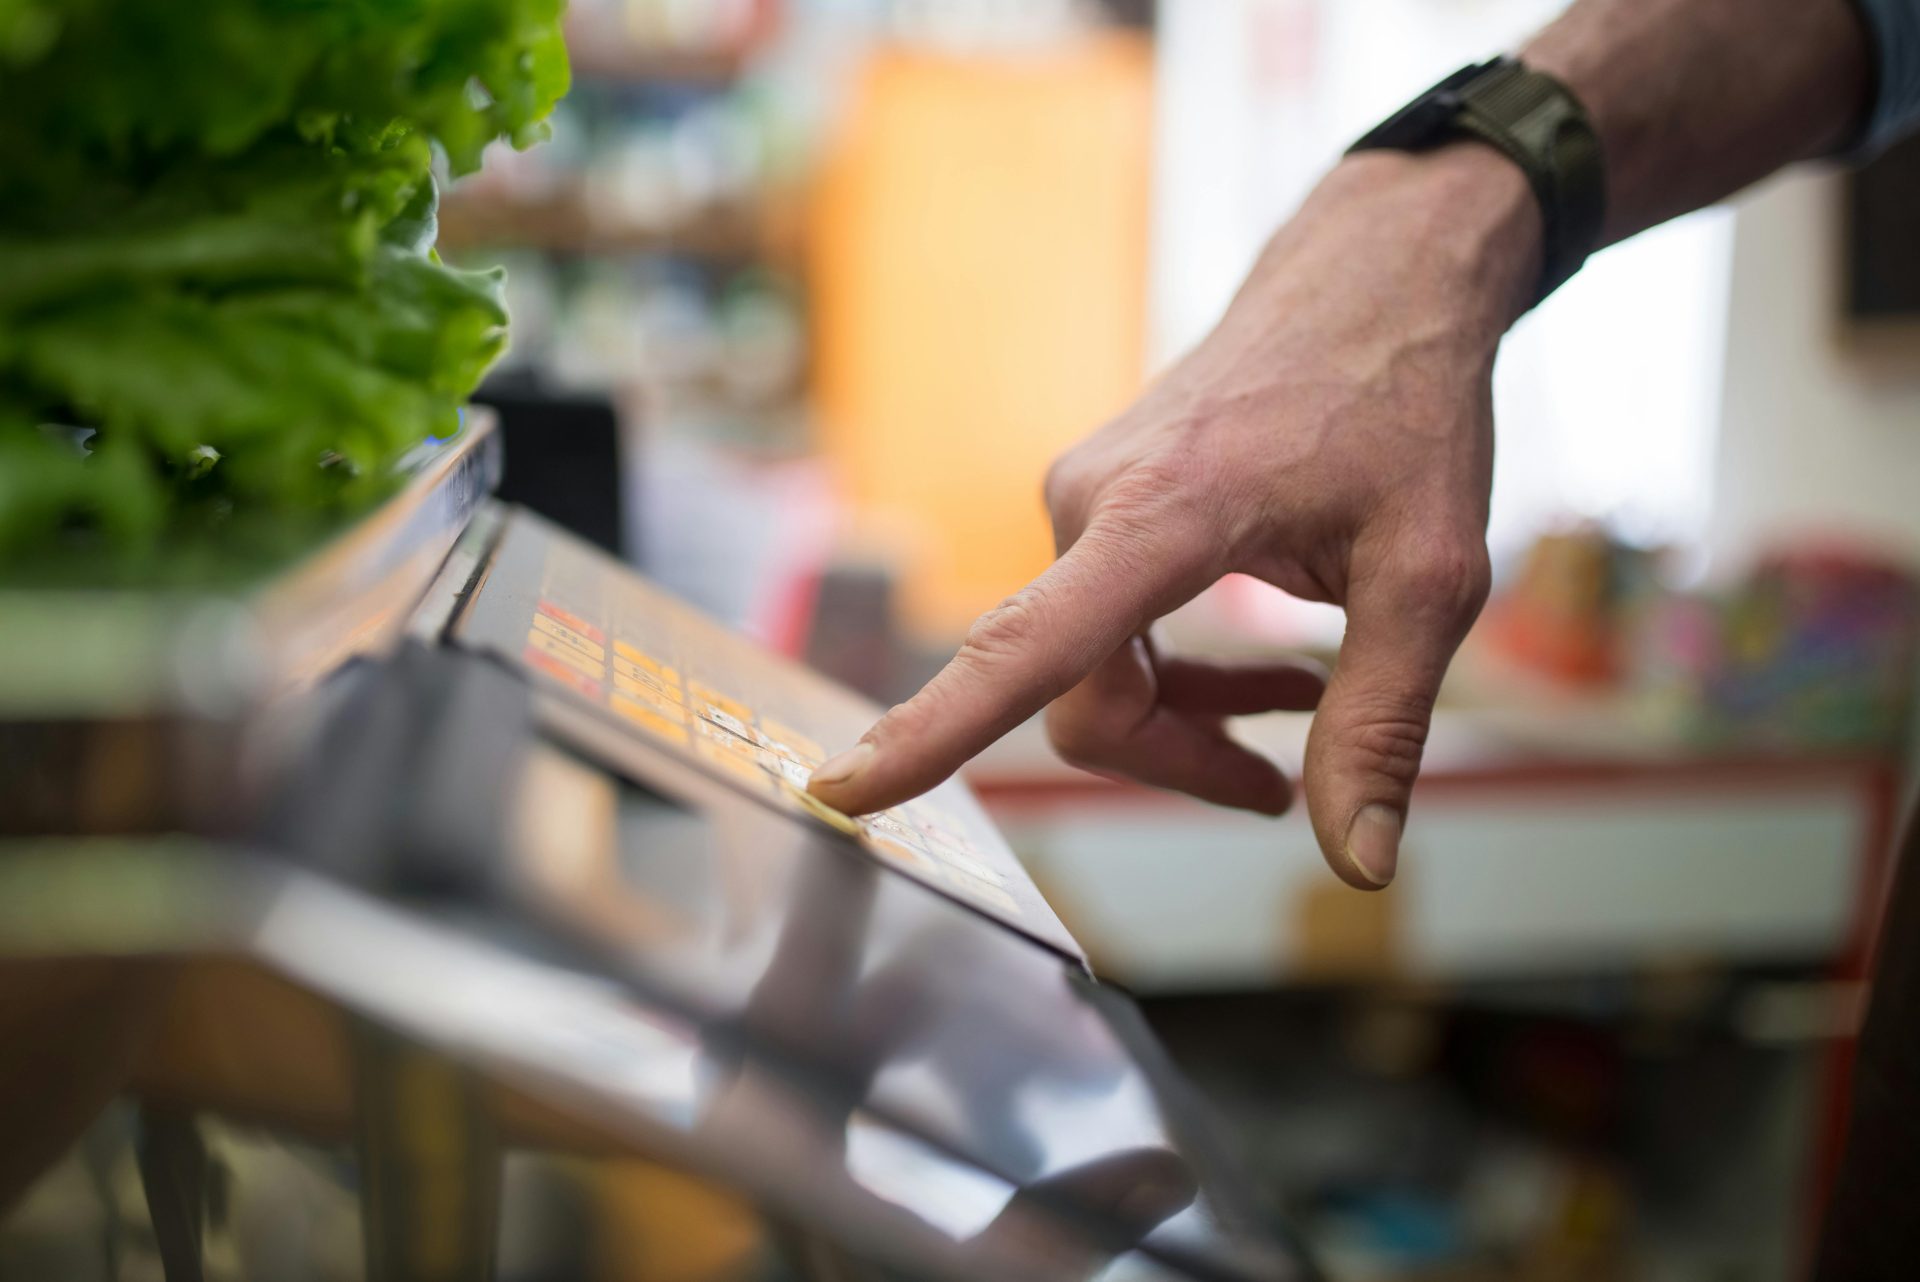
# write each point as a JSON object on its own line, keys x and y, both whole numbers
{"x": 651, "y": 720}
{"x": 564, "y": 673}
{"x": 580, "y": 662}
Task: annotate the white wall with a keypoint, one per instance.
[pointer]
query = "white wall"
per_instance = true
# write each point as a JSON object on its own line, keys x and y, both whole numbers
{"x": 1820, "y": 419}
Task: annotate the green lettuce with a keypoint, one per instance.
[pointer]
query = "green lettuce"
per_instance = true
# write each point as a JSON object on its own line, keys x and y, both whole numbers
{"x": 220, "y": 309}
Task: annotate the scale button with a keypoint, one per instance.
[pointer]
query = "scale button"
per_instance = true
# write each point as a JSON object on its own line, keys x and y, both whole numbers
{"x": 651, "y": 720}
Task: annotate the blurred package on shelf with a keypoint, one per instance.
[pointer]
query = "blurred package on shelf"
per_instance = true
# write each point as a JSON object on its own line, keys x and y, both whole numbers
{"x": 1814, "y": 649}
{"x": 634, "y": 167}
{"x": 1568, "y": 612}
{"x": 972, "y": 26}
{"x": 688, "y": 343}
{"x": 674, "y": 335}
{"x": 660, "y": 170}
{"x": 643, "y": 29}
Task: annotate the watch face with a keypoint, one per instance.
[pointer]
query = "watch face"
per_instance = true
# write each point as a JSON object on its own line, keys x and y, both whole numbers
{"x": 1418, "y": 123}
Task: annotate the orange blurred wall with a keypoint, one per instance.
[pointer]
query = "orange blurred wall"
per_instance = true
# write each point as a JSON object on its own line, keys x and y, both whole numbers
{"x": 978, "y": 270}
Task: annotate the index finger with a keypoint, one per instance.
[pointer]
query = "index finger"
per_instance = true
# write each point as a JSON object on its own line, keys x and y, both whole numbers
{"x": 1016, "y": 659}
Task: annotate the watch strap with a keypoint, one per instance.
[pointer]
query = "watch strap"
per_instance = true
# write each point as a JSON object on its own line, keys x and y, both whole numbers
{"x": 1537, "y": 123}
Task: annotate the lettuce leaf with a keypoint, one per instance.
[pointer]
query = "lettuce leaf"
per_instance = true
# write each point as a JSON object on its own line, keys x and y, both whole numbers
{"x": 220, "y": 309}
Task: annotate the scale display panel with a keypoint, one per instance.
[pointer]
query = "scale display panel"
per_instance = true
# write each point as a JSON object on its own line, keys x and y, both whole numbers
{"x": 586, "y": 626}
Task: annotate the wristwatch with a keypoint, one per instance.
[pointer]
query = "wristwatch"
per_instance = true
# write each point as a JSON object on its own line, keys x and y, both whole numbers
{"x": 1537, "y": 123}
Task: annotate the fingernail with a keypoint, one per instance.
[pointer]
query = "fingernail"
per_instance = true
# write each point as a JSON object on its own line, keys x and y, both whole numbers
{"x": 843, "y": 767}
{"x": 1373, "y": 843}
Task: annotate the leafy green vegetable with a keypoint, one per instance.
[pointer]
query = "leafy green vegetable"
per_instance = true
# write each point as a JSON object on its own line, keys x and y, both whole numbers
{"x": 219, "y": 304}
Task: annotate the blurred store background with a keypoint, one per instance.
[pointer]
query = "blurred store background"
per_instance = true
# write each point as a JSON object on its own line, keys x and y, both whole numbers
{"x": 817, "y": 288}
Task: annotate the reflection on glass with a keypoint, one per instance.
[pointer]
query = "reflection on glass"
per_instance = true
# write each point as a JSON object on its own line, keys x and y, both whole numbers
{"x": 958, "y": 1200}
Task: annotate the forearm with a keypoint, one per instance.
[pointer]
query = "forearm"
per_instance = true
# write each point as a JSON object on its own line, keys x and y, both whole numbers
{"x": 1695, "y": 99}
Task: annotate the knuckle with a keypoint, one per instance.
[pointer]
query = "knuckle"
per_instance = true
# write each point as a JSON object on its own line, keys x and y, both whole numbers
{"x": 911, "y": 722}
{"x": 1388, "y": 742}
{"x": 1011, "y": 643}
{"x": 1449, "y": 578}
{"x": 1158, "y": 514}
{"x": 1009, "y": 628}
{"x": 1157, "y": 483}
{"x": 897, "y": 723}
{"x": 1060, "y": 488}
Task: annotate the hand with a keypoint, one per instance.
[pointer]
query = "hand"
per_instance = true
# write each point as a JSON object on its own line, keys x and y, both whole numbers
{"x": 1334, "y": 437}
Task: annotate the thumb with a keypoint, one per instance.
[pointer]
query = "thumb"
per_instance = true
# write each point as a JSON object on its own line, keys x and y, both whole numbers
{"x": 1363, "y": 753}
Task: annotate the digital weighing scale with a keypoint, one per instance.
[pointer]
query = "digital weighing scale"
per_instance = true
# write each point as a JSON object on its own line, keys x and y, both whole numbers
{"x": 464, "y": 841}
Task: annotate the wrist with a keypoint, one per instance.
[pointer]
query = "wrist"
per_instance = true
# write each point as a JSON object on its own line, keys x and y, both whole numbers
{"x": 1466, "y": 213}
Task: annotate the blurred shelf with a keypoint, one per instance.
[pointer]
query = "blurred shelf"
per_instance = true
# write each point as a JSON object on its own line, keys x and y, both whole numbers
{"x": 564, "y": 223}
{"x": 602, "y": 47}
{"x": 622, "y": 62}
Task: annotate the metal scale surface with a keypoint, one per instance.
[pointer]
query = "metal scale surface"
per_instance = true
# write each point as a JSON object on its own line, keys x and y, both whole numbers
{"x": 486, "y": 847}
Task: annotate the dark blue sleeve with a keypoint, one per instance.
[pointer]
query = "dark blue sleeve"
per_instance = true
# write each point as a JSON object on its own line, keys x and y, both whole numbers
{"x": 1894, "y": 29}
